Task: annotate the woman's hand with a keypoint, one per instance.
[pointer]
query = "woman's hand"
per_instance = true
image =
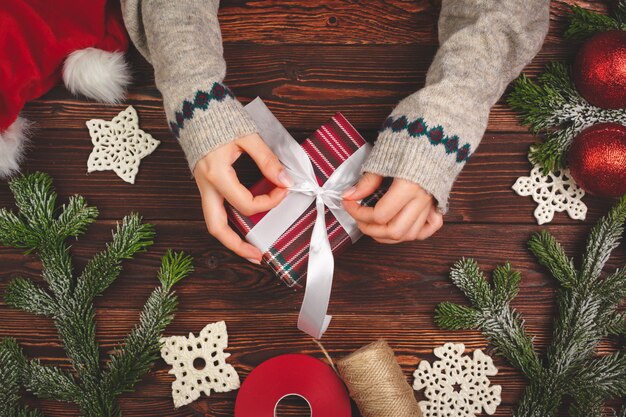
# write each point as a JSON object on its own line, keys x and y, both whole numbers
{"x": 406, "y": 212}
{"x": 217, "y": 181}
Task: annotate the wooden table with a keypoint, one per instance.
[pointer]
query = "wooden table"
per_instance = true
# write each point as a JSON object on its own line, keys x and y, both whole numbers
{"x": 307, "y": 60}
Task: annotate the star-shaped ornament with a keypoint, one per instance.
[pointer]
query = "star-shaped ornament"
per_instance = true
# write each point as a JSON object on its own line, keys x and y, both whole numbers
{"x": 199, "y": 363}
{"x": 556, "y": 191}
{"x": 119, "y": 145}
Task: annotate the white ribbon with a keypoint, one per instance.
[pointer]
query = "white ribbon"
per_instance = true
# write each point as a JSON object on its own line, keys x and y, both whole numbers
{"x": 313, "y": 318}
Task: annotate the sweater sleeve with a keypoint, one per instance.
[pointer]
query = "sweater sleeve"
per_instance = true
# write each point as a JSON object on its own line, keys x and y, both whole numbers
{"x": 430, "y": 135}
{"x": 184, "y": 44}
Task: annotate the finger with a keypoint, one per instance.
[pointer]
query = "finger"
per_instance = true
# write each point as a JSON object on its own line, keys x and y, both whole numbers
{"x": 432, "y": 225}
{"x": 360, "y": 213}
{"x": 266, "y": 160}
{"x": 417, "y": 217}
{"x": 217, "y": 225}
{"x": 366, "y": 186}
{"x": 398, "y": 195}
{"x": 241, "y": 198}
{"x": 398, "y": 227}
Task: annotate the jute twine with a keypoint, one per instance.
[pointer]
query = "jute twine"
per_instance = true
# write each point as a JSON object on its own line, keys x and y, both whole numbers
{"x": 377, "y": 384}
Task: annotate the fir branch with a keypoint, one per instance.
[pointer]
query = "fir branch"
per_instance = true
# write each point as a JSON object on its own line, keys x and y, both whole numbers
{"x": 141, "y": 347}
{"x": 505, "y": 284}
{"x": 35, "y": 198}
{"x": 587, "y": 311}
{"x": 466, "y": 275}
{"x": 35, "y": 227}
{"x": 12, "y": 363}
{"x": 75, "y": 217}
{"x": 22, "y": 293}
{"x": 553, "y": 107}
{"x": 131, "y": 237}
{"x": 174, "y": 267}
{"x": 585, "y": 23}
{"x": 451, "y": 316}
{"x": 603, "y": 239}
{"x": 550, "y": 254}
{"x": 616, "y": 325}
{"x": 500, "y": 324}
{"x": 50, "y": 382}
{"x": 601, "y": 377}
{"x": 13, "y": 232}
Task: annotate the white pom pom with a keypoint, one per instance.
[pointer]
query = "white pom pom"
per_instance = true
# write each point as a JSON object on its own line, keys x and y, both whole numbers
{"x": 12, "y": 146}
{"x": 97, "y": 74}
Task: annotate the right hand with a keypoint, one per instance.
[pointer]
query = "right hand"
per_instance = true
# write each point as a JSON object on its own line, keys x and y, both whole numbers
{"x": 217, "y": 181}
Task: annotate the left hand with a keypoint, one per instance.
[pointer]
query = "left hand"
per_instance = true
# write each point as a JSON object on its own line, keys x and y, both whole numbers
{"x": 406, "y": 212}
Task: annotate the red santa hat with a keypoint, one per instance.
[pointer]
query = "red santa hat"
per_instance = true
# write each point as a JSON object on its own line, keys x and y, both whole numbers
{"x": 42, "y": 41}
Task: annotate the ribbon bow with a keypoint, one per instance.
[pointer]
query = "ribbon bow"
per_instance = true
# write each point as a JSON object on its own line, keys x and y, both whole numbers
{"x": 313, "y": 318}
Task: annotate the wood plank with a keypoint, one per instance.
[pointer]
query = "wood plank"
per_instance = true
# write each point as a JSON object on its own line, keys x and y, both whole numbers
{"x": 388, "y": 22}
{"x": 256, "y": 338}
{"x": 410, "y": 278}
{"x": 303, "y": 85}
{"x": 165, "y": 190}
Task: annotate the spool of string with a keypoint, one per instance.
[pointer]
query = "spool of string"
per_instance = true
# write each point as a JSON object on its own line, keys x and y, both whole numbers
{"x": 376, "y": 382}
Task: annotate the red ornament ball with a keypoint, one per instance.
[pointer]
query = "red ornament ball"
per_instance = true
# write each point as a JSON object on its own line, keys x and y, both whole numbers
{"x": 597, "y": 160}
{"x": 600, "y": 70}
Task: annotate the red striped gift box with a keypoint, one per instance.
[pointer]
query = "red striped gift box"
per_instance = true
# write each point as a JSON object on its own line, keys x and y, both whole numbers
{"x": 327, "y": 148}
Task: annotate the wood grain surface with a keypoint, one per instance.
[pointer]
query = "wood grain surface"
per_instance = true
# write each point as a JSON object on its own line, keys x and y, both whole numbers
{"x": 307, "y": 60}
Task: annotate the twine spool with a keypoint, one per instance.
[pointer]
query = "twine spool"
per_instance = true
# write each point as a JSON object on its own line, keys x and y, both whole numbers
{"x": 376, "y": 382}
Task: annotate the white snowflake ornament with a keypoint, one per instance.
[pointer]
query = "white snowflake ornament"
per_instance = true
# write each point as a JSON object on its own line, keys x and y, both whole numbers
{"x": 457, "y": 385}
{"x": 119, "y": 145}
{"x": 199, "y": 363}
{"x": 556, "y": 191}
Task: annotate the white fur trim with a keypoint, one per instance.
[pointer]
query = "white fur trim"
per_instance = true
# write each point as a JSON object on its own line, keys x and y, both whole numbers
{"x": 12, "y": 146}
{"x": 97, "y": 74}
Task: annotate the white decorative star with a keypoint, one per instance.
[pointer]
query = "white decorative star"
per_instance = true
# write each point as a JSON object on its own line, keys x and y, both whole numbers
{"x": 199, "y": 363}
{"x": 553, "y": 192}
{"x": 457, "y": 384}
{"x": 119, "y": 145}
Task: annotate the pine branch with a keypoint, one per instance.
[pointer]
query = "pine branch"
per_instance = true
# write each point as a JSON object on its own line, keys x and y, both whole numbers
{"x": 466, "y": 275}
{"x": 75, "y": 217}
{"x": 142, "y": 346}
{"x": 24, "y": 294}
{"x": 585, "y": 23}
{"x": 12, "y": 363}
{"x": 491, "y": 313}
{"x": 550, "y": 254}
{"x": 553, "y": 107}
{"x": 174, "y": 267}
{"x": 451, "y": 316}
{"x": 50, "y": 382}
{"x": 587, "y": 311}
{"x": 131, "y": 237}
{"x": 603, "y": 239}
{"x": 601, "y": 377}
{"x": 36, "y": 227}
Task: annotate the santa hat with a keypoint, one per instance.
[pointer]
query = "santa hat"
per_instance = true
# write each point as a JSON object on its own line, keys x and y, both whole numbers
{"x": 41, "y": 41}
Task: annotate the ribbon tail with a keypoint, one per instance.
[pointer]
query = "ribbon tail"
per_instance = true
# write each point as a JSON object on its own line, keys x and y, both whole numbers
{"x": 313, "y": 319}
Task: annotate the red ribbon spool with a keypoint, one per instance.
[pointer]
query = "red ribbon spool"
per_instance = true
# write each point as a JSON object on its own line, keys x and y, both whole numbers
{"x": 293, "y": 374}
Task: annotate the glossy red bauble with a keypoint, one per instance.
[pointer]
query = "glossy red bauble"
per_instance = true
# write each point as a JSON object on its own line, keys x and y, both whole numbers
{"x": 597, "y": 160}
{"x": 600, "y": 70}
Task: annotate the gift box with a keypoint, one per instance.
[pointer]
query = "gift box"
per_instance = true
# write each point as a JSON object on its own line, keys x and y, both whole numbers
{"x": 335, "y": 147}
{"x": 327, "y": 148}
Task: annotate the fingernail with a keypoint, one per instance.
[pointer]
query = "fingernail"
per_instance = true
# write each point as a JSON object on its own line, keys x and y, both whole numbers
{"x": 254, "y": 261}
{"x": 284, "y": 178}
{"x": 348, "y": 192}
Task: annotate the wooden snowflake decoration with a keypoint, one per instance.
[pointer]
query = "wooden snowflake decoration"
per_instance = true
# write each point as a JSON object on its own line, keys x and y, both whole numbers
{"x": 119, "y": 145}
{"x": 457, "y": 385}
{"x": 199, "y": 363}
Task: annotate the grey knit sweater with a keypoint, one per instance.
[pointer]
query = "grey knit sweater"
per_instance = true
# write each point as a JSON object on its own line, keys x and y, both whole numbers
{"x": 429, "y": 136}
